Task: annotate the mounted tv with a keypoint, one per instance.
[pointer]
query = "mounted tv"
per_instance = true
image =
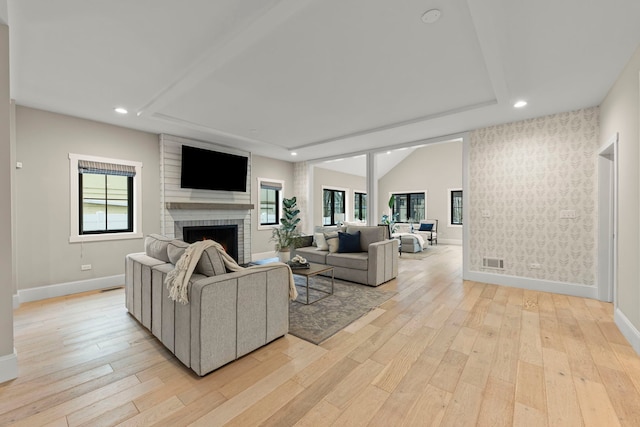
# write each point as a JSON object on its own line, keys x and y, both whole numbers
{"x": 212, "y": 170}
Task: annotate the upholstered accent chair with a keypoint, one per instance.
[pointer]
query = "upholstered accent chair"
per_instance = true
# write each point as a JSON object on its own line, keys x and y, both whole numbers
{"x": 428, "y": 229}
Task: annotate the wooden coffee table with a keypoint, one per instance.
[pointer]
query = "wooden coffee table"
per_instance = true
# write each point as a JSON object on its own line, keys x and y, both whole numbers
{"x": 314, "y": 270}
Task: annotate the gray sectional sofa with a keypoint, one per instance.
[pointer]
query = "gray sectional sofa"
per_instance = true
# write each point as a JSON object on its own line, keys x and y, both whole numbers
{"x": 229, "y": 314}
{"x": 373, "y": 263}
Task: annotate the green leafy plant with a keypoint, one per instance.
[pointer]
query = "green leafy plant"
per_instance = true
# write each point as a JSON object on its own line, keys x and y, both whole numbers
{"x": 391, "y": 220}
{"x": 287, "y": 234}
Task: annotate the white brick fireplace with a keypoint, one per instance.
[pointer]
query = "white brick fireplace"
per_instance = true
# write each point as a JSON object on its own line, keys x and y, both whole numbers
{"x": 188, "y": 207}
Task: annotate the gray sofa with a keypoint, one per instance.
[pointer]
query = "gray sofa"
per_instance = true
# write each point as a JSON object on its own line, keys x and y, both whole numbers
{"x": 228, "y": 314}
{"x": 375, "y": 263}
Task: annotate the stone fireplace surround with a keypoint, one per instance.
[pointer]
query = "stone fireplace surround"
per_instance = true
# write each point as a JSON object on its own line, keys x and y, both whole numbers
{"x": 178, "y": 216}
{"x": 193, "y": 207}
{"x": 226, "y": 235}
{"x": 180, "y": 225}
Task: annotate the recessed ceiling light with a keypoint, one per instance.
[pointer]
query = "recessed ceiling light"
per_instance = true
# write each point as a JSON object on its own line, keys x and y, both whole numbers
{"x": 520, "y": 104}
{"x": 431, "y": 16}
{"x": 120, "y": 110}
{"x": 293, "y": 153}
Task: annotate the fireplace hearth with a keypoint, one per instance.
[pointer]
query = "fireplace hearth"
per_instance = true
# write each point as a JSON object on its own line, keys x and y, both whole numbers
{"x": 226, "y": 235}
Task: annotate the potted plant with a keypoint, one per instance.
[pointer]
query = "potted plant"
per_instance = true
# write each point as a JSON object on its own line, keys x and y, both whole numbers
{"x": 286, "y": 234}
{"x": 392, "y": 219}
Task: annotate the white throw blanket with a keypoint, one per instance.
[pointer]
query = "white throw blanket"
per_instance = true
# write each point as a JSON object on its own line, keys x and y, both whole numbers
{"x": 177, "y": 280}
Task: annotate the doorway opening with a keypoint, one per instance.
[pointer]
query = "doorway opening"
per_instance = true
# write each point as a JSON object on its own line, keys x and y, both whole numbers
{"x": 607, "y": 220}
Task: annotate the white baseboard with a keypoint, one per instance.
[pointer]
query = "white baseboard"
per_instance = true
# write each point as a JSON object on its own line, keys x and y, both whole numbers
{"x": 629, "y": 331}
{"x": 263, "y": 255}
{"x": 9, "y": 367}
{"x": 446, "y": 242}
{"x": 62, "y": 289}
{"x": 565, "y": 288}
{"x": 16, "y": 301}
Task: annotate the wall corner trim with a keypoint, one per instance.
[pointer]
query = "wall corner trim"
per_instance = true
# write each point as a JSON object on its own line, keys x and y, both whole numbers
{"x": 9, "y": 367}
{"x": 629, "y": 331}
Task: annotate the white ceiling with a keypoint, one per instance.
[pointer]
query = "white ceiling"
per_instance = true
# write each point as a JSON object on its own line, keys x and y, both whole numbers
{"x": 357, "y": 165}
{"x": 320, "y": 77}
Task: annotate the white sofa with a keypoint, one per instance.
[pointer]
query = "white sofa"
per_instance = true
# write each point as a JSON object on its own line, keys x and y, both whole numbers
{"x": 411, "y": 242}
{"x": 228, "y": 314}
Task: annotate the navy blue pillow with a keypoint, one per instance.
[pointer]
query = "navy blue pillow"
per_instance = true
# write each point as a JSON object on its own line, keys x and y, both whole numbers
{"x": 348, "y": 242}
{"x": 426, "y": 227}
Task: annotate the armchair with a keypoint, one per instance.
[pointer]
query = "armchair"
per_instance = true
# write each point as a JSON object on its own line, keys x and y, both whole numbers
{"x": 428, "y": 229}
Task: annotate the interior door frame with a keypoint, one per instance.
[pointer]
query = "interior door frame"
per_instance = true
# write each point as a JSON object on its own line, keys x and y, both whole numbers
{"x": 607, "y": 255}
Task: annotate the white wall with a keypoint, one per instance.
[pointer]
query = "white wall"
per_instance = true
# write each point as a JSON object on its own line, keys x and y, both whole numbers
{"x": 434, "y": 168}
{"x": 8, "y": 360}
{"x": 335, "y": 180}
{"x": 43, "y": 143}
{"x": 266, "y": 168}
{"x": 620, "y": 112}
{"x": 4, "y": 12}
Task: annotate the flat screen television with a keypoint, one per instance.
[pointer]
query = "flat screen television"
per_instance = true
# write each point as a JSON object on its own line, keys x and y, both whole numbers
{"x": 212, "y": 170}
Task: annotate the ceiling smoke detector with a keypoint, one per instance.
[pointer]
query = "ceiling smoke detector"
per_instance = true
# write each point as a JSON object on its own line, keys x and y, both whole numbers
{"x": 431, "y": 16}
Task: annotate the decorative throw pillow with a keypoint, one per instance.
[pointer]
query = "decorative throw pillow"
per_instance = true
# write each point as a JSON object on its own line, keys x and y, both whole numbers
{"x": 175, "y": 250}
{"x": 348, "y": 243}
{"x": 425, "y": 227}
{"x": 332, "y": 241}
{"x": 155, "y": 246}
{"x": 321, "y": 243}
{"x": 369, "y": 235}
{"x": 210, "y": 263}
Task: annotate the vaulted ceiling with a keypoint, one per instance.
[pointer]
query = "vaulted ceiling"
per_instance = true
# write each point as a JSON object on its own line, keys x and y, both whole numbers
{"x": 319, "y": 77}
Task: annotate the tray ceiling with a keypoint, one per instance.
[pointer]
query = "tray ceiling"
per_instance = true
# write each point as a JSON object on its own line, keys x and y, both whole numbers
{"x": 320, "y": 77}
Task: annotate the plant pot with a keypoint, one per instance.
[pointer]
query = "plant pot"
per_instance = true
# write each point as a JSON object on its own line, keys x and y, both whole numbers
{"x": 284, "y": 256}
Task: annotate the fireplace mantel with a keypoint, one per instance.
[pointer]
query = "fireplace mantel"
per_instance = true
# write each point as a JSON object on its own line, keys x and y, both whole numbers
{"x": 209, "y": 206}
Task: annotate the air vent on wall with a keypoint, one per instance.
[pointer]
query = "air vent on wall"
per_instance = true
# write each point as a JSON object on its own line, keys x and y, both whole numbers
{"x": 493, "y": 263}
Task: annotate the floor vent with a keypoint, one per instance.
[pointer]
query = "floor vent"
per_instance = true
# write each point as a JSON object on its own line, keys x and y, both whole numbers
{"x": 493, "y": 263}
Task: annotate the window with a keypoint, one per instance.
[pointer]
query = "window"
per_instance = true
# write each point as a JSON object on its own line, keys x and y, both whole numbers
{"x": 270, "y": 201}
{"x": 105, "y": 198}
{"x": 333, "y": 208}
{"x": 409, "y": 206}
{"x": 455, "y": 206}
{"x": 360, "y": 206}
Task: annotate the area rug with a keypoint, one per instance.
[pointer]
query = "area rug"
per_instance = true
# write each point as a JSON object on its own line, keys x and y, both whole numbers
{"x": 428, "y": 251}
{"x": 320, "y": 320}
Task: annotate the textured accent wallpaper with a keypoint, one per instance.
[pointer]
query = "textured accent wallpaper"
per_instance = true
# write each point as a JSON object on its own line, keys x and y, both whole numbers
{"x": 521, "y": 176}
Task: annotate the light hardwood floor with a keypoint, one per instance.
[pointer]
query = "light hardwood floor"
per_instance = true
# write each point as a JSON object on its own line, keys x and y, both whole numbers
{"x": 441, "y": 352}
